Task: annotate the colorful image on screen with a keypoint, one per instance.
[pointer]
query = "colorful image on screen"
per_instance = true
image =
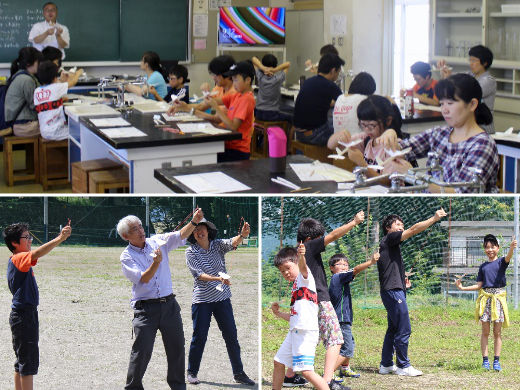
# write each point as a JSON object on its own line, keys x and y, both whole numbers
{"x": 251, "y": 26}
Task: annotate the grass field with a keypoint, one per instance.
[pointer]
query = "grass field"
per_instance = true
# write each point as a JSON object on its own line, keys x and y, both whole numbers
{"x": 85, "y": 321}
{"x": 445, "y": 345}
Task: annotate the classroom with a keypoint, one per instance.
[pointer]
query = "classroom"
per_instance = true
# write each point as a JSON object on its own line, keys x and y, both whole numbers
{"x": 115, "y": 134}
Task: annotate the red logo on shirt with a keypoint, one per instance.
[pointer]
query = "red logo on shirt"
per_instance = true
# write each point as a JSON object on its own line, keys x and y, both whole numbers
{"x": 43, "y": 94}
{"x": 304, "y": 293}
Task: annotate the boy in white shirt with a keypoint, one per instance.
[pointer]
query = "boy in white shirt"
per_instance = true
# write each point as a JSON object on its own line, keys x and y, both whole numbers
{"x": 299, "y": 347}
{"x": 48, "y": 101}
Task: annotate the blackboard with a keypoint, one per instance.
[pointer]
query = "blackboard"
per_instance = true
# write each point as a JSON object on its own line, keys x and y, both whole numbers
{"x": 160, "y": 26}
{"x": 102, "y": 30}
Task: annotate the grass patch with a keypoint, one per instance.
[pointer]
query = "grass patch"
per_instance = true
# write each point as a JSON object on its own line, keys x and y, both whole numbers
{"x": 445, "y": 345}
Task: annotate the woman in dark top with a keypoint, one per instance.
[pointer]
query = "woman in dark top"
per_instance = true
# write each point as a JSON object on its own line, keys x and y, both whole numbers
{"x": 19, "y": 99}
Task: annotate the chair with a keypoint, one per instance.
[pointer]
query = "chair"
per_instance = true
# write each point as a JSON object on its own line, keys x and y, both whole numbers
{"x": 260, "y": 134}
{"x": 103, "y": 181}
{"x": 315, "y": 152}
{"x": 31, "y": 170}
{"x": 54, "y": 162}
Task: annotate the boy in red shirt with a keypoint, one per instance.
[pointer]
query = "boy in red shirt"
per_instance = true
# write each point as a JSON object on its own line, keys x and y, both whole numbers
{"x": 240, "y": 114}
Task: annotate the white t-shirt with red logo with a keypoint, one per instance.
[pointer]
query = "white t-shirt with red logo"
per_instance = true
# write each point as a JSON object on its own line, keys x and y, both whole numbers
{"x": 345, "y": 113}
{"x": 49, "y": 106}
{"x": 304, "y": 303}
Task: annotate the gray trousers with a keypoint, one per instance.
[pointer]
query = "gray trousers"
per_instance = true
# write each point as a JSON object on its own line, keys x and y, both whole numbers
{"x": 148, "y": 318}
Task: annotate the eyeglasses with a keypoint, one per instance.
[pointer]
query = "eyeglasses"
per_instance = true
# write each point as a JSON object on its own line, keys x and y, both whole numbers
{"x": 368, "y": 126}
{"x": 28, "y": 238}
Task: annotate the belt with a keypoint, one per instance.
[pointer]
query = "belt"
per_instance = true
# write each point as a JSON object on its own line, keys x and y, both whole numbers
{"x": 157, "y": 300}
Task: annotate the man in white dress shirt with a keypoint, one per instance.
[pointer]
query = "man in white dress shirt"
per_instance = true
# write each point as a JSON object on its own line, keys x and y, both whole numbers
{"x": 49, "y": 32}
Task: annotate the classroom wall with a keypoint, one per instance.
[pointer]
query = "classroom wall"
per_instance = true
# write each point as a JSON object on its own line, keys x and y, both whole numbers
{"x": 367, "y": 45}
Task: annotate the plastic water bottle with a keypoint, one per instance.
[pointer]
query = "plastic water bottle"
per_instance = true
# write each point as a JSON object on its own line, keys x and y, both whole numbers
{"x": 408, "y": 104}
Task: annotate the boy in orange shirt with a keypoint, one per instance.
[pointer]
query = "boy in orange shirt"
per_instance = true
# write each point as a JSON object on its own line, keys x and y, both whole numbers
{"x": 22, "y": 284}
{"x": 240, "y": 113}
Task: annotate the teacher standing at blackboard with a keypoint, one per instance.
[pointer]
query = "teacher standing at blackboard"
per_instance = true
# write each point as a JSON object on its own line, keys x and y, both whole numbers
{"x": 48, "y": 32}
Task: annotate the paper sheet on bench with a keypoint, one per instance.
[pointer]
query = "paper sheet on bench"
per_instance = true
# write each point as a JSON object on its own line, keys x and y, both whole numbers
{"x": 182, "y": 117}
{"x": 376, "y": 189}
{"x": 205, "y": 127}
{"x": 123, "y": 132}
{"x": 322, "y": 172}
{"x": 211, "y": 182}
{"x": 506, "y": 137}
{"x": 109, "y": 122}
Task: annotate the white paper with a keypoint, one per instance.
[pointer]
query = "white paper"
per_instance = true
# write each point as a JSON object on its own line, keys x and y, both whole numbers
{"x": 322, "y": 172}
{"x": 182, "y": 117}
{"x": 212, "y": 182}
{"x": 149, "y": 106}
{"x": 200, "y": 6}
{"x": 506, "y": 137}
{"x": 123, "y": 132}
{"x": 215, "y": 4}
{"x": 338, "y": 25}
{"x": 376, "y": 189}
{"x": 205, "y": 127}
{"x": 109, "y": 122}
{"x": 200, "y": 25}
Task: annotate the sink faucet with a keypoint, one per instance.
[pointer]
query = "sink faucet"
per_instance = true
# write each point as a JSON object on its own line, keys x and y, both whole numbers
{"x": 362, "y": 180}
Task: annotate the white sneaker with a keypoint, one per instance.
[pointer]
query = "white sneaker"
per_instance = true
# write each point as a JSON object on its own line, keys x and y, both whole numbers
{"x": 408, "y": 371}
{"x": 387, "y": 370}
{"x": 192, "y": 379}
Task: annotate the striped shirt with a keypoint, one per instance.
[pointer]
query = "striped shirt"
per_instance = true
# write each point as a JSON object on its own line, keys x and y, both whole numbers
{"x": 210, "y": 262}
{"x": 479, "y": 151}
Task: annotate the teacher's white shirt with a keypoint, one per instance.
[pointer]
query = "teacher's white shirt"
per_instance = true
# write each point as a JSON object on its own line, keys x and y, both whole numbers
{"x": 51, "y": 40}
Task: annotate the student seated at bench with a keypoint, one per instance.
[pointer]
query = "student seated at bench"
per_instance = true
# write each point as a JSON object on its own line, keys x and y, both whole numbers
{"x": 217, "y": 68}
{"x": 345, "y": 110}
{"x": 312, "y": 110}
{"x": 240, "y": 114}
{"x": 327, "y": 49}
{"x": 177, "y": 76}
{"x": 18, "y": 105}
{"x": 48, "y": 100}
{"x": 50, "y": 53}
{"x": 151, "y": 64}
{"x": 270, "y": 76}
{"x": 424, "y": 88}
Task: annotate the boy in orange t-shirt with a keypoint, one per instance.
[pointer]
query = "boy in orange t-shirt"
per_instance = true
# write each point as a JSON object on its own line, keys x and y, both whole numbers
{"x": 240, "y": 114}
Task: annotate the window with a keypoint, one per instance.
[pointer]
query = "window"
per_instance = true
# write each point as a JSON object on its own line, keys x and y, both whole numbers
{"x": 411, "y": 32}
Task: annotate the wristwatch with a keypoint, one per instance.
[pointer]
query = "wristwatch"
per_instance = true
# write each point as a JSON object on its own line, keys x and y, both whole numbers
{"x": 194, "y": 223}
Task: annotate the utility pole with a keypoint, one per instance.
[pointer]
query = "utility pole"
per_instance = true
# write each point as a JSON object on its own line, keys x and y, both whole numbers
{"x": 147, "y": 217}
{"x": 517, "y": 222}
{"x": 46, "y": 218}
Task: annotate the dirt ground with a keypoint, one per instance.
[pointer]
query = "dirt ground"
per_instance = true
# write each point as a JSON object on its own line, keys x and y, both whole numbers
{"x": 85, "y": 321}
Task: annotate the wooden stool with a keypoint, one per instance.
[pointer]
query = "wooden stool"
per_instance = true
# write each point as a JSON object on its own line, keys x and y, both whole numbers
{"x": 31, "y": 170}
{"x": 54, "y": 162}
{"x": 102, "y": 181}
{"x": 81, "y": 171}
{"x": 316, "y": 152}
{"x": 260, "y": 130}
